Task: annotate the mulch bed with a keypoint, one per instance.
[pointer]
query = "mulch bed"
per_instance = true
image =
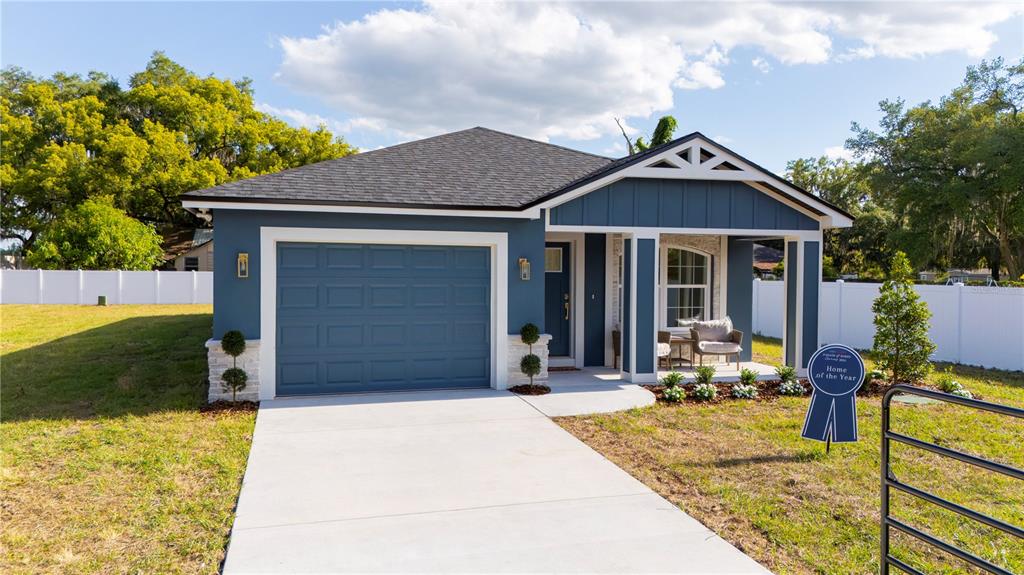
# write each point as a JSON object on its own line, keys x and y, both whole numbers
{"x": 530, "y": 389}
{"x": 224, "y": 406}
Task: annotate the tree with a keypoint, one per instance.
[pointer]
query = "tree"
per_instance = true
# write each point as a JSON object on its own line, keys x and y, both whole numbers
{"x": 901, "y": 342}
{"x": 68, "y": 138}
{"x": 662, "y": 135}
{"x": 96, "y": 236}
{"x": 952, "y": 173}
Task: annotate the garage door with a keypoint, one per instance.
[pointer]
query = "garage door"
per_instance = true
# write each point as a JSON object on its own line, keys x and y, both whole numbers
{"x": 382, "y": 318}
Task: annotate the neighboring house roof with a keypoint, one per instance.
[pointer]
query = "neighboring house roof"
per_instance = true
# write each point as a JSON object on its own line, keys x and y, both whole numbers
{"x": 475, "y": 168}
{"x": 179, "y": 242}
{"x": 766, "y": 258}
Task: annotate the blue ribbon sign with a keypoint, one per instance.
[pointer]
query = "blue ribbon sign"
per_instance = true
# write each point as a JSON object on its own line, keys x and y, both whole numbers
{"x": 836, "y": 373}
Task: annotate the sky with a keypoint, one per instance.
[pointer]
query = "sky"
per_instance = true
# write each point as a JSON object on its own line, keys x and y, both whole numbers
{"x": 774, "y": 81}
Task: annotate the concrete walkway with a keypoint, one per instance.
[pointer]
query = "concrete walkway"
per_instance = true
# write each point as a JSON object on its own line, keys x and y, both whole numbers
{"x": 458, "y": 481}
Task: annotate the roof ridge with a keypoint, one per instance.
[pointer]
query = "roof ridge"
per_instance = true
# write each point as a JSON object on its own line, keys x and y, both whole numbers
{"x": 535, "y": 141}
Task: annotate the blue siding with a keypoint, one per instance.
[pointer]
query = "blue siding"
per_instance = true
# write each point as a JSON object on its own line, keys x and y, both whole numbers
{"x": 811, "y": 286}
{"x": 646, "y": 259}
{"x": 740, "y": 290}
{"x": 371, "y": 317}
{"x": 237, "y": 301}
{"x": 791, "y": 268}
{"x": 594, "y": 293}
{"x": 627, "y": 295}
{"x": 648, "y": 202}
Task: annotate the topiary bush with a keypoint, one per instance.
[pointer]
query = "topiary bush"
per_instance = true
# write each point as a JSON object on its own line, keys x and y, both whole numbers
{"x": 233, "y": 379}
{"x": 530, "y": 364}
{"x": 673, "y": 394}
{"x": 705, "y": 391}
{"x": 530, "y": 334}
{"x": 704, "y": 374}
{"x": 744, "y": 391}
{"x": 748, "y": 376}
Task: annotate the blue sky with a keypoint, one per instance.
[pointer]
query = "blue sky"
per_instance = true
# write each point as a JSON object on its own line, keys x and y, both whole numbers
{"x": 773, "y": 82}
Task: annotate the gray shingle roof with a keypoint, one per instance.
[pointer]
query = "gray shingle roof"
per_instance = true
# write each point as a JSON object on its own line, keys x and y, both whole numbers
{"x": 474, "y": 168}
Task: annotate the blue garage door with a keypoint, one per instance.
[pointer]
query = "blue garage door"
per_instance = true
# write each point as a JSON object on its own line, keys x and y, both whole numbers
{"x": 382, "y": 318}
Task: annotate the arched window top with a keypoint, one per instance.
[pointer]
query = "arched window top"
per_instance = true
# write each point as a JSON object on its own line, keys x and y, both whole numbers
{"x": 687, "y": 267}
{"x": 687, "y": 276}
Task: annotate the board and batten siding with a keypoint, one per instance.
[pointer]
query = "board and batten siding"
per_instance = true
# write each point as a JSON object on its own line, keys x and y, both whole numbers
{"x": 669, "y": 203}
{"x": 237, "y": 300}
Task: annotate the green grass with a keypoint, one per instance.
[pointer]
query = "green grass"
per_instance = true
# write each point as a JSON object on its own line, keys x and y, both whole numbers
{"x": 742, "y": 469}
{"x": 108, "y": 466}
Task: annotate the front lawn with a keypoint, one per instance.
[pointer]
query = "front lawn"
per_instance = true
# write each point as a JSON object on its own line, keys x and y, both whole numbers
{"x": 108, "y": 465}
{"x": 741, "y": 468}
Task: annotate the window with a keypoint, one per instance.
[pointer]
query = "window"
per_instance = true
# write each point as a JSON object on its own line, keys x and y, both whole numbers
{"x": 191, "y": 264}
{"x": 552, "y": 259}
{"x": 686, "y": 286}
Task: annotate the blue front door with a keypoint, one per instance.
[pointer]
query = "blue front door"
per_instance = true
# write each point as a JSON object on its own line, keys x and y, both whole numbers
{"x": 354, "y": 317}
{"x": 557, "y": 298}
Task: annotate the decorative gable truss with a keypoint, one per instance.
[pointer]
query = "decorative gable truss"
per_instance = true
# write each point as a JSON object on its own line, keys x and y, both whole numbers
{"x": 697, "y": 158}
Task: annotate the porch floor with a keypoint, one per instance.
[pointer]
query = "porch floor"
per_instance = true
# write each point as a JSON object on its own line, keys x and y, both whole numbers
{"x": 724, "y": 372}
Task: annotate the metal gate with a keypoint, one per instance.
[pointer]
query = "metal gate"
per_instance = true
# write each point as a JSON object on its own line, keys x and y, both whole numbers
{"x": 890, "y": 481}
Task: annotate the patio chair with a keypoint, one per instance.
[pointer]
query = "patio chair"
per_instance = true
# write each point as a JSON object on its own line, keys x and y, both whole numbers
{"x": 665, "y": 348}
{"x": 716, "y": 337}
{"x": 616, "y": 347}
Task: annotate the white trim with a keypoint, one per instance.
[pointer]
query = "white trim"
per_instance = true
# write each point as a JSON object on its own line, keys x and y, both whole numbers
{"x": 723, "y": 278}
{"x": 609, "y": 301}
{"x": 634, "y": 376}
{"x": 801, "y": 265}
{"x": 269, "y": 236}
{"x": 529, "y": 213}
{"x": 662, "y": 271}
{"x": 785, "y": 300}
{"x": 806, "y": 234}
{"x": 577, "y": 257}
{"x": 696, "y": 170}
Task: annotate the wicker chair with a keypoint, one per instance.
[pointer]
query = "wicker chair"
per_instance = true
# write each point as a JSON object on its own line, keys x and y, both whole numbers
{"x": 716, "y": 338}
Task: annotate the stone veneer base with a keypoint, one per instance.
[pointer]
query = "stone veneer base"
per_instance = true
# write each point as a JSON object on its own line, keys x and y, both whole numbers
{"x": 220, "y": 361}
{"x": 517, "y": 349}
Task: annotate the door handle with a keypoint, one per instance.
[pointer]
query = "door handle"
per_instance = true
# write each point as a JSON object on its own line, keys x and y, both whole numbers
{"x": 566, "y": 310}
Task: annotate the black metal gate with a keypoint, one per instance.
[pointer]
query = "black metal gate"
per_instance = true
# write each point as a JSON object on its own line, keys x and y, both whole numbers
{"x": 890, "y": 481}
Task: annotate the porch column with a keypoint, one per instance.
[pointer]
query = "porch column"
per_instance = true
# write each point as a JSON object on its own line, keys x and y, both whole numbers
{"x": 639, "y": 337}
{"x": 739, "y": 300}
{"x": 803, "y": 286}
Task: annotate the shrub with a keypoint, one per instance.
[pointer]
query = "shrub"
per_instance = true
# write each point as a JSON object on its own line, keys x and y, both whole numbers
{"x": 947, "y": 383}
{"x": 705, "y": 391}
{"x": 233, "y": 343}
{"x": 530, "y": 366}
{"x": 704, "y": 374}
{"x": 744, "y": 391}
{"x": 674, "y": 394}
{"x": 530, "y": 334}
{"x": 672, "y": 378}
{"x": 234, "y": 380}
{"x": 901, "y": 341}
{"x": 791, "y": 387}
{"x": 786, "y": 373}
{"x": 961, "y": 392}
{"x": 748, "y": 376}
{"x": 875, "y": 374}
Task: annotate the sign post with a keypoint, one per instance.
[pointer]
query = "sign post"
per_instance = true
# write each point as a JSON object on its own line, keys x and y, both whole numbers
{"x": 836, "y": 372}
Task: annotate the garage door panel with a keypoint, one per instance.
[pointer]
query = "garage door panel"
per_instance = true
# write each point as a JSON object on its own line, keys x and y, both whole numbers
{"x": 380, "y": 318}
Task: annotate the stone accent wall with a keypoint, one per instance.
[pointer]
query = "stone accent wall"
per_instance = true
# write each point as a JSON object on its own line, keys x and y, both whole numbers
{"x": 517, "y": 349}
{"x": 220, "y": 361}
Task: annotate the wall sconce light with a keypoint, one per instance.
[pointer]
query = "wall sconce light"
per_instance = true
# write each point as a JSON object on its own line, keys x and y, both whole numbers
{"x": 524, "y": 269}
{"x": 243, "y": 265}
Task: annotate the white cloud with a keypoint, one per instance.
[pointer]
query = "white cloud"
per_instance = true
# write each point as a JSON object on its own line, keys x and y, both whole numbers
{"x": 839, "y": 153}
{"x": 298, "y": 117}
{"x": 567, "y": 69}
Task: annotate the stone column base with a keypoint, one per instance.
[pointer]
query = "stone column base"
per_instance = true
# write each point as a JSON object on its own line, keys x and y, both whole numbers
{"x": 220, "y": 361}
{"x": 517, "y": 349}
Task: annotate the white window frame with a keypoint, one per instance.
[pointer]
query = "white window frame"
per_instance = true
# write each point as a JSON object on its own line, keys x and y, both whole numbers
{"x": 664, "y": 285}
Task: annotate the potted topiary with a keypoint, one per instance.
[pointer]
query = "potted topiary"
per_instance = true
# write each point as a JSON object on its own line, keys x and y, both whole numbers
{"x": 234, "y": 378}
{"x": 530, "y": 364}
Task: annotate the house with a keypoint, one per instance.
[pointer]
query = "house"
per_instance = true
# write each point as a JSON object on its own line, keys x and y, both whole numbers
{"x": 415, "y": 266}
{"x": 189, "y": 250}
{"x": 766, "y": 259}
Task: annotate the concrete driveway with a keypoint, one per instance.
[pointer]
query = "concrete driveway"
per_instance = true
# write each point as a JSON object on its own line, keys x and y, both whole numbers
{"x": 456, "y": 481}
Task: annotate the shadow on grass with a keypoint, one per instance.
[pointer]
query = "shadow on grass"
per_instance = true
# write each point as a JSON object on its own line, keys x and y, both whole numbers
{"x": 133, "y": 366}
{"x": 761, "y": 459}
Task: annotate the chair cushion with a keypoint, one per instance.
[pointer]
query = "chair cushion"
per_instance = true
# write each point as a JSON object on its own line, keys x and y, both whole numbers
{"x": 664, "y": 349}
{"x": 714, "y": 330}
{"x": 721, "y": 347}
{"x": 686, "y": 322}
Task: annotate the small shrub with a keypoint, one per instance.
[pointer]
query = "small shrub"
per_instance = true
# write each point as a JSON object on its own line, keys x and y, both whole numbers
{"x": 961, "y": 392}
{"x": 744, "y": 391}
{"x": 875, "y": 375}
{"x": 704, "y": 374}
{"x": 901, "y": 344}
{"x": 748, "y": 376}
{"x": 233, "y": 343}
{"x": 947, "y": 383}
{"x": 530, "y": 334}
{"x": 234, "y": 380}
{"x": 672, "y": 378}
{"x": 705, "y": 391}
{"x": 786, "y": 373}
{"x": 530, "y": 366}
{"x": 791, "y": 387}
{"x": 674, "y": 394}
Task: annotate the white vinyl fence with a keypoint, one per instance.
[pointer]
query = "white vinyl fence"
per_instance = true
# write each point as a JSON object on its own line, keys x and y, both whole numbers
{"x": 971, "y": 325}
{"x": 84, "y": 287}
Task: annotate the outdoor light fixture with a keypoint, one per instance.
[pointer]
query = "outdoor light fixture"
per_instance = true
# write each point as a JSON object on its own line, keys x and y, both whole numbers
{"x": 524, "y": 269}
{"x": 243, "y": 265}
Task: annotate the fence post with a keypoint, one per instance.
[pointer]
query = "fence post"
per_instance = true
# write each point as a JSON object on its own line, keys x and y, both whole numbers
{"x": 81, "y": 287}
{"x": 156, "y": 285}
{"x": 959, "y": 320}
{"x": 757, "y": 301}
{"x": 39, "y": 286}
{"x": 839, "y": 311}
{"x": 195, "y": 279}
{"x": 120, "y": 288}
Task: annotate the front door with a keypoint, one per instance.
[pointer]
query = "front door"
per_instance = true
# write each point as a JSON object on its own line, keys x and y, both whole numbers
{"x": 557, "y": 299}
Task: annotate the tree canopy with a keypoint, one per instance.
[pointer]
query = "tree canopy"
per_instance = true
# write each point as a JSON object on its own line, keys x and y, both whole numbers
{"x": 95, "y": 235}
{"x": 662, "y": 134}
{"x": 69, "y": 138}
